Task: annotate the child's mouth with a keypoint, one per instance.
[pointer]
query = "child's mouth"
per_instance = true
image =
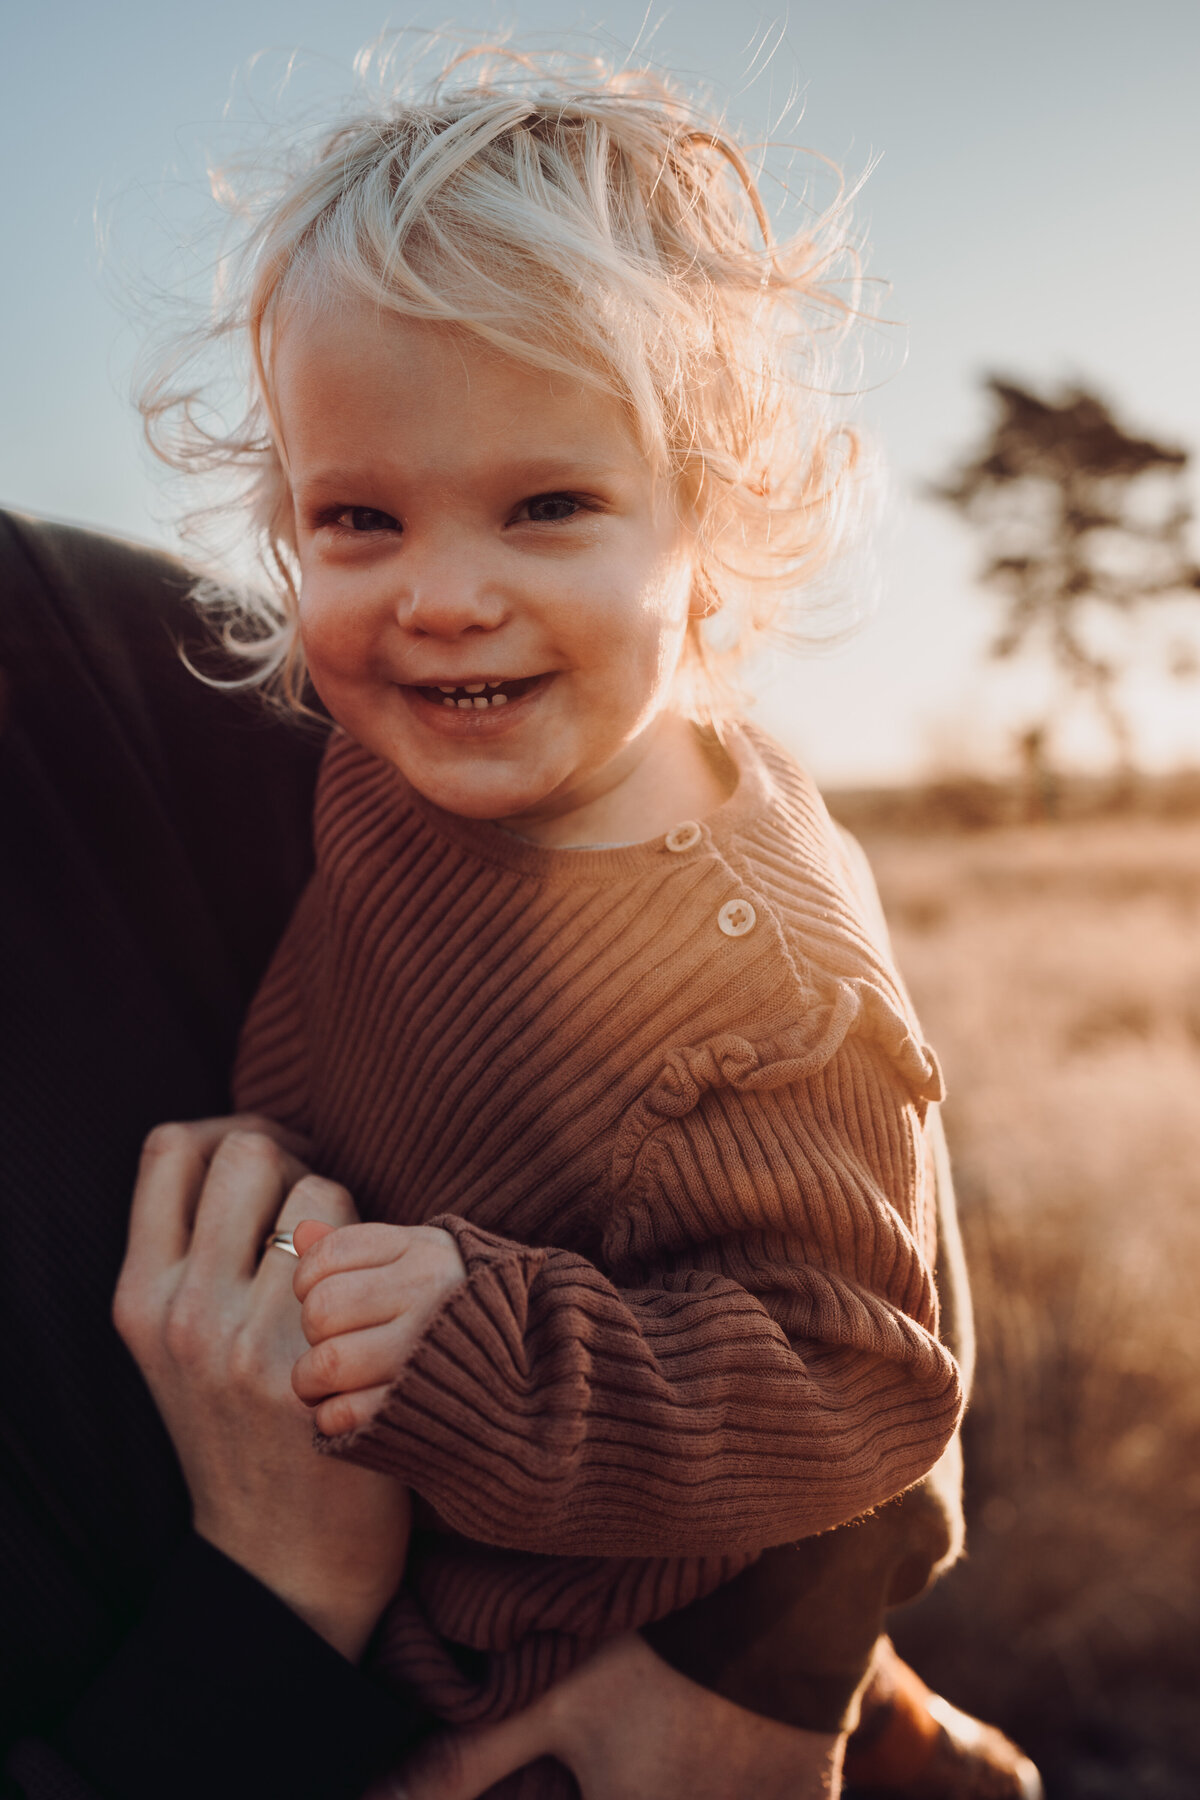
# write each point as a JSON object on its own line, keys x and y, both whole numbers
{"x": 479, "y": 696}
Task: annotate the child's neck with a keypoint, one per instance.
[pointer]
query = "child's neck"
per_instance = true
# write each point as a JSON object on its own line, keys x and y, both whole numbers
{"x": 667, "y": 775}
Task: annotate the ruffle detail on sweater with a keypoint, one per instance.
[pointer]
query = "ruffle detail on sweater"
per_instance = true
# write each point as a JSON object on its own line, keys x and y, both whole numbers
{"x": 841, "y": 1007}
{"x": 882, "y": 1023}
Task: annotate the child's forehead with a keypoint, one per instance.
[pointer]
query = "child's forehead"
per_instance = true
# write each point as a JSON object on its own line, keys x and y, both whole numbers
{"x": 343, "y": 363}
{"x": 324, "y": 325}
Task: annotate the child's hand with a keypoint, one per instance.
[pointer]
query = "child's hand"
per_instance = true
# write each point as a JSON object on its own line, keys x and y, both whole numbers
{"x": 367, "y": 1292}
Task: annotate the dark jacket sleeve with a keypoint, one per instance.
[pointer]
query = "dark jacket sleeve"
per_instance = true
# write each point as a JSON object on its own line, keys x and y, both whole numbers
{"x": 218, "y": 1689}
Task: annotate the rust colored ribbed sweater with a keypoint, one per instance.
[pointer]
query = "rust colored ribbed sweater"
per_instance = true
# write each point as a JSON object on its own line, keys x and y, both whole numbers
{"x": 685, "y": 1169}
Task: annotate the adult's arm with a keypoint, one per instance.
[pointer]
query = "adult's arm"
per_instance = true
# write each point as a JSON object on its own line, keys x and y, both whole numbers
{"x": 219, "y": 1688}
{"x": 630, "y": 1728}
{"x": 155, "y": 835}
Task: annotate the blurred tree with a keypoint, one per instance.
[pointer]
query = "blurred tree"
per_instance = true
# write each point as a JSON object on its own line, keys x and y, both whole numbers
{"x": 1076, "y": 515}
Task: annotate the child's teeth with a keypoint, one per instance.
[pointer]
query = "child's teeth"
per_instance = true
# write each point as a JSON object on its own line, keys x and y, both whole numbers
{"x": 473, "y": 696}
{"x": 448, "y": 703}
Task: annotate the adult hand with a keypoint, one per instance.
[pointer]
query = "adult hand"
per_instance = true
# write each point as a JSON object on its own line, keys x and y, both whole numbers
{"x": 629, "y": 1727}
{"x": 215, "y": 1329}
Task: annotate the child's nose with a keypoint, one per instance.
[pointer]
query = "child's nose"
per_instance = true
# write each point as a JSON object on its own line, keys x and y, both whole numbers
{"x": 447, "y": 595}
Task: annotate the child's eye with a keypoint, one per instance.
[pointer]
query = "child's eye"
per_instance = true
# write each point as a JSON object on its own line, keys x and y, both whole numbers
{"x": 547, "y": 509}
{"x": 365, "y": 518}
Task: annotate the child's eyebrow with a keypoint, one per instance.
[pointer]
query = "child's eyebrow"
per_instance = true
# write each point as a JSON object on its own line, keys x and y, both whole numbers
{"x": 567, "y": 469}
{"x": 570, "y": 469}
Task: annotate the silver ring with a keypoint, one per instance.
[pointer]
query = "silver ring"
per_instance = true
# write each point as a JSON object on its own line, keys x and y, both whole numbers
{"x": 281, "y": 1240}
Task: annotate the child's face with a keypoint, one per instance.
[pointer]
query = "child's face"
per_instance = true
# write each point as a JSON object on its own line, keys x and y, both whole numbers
{"x": 465, "y": 522}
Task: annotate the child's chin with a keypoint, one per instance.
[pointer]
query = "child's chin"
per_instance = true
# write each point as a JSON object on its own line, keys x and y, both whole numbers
{"x": 490, "y": 803}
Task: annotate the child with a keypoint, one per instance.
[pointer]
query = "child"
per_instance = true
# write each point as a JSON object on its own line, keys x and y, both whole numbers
{"x": 584, "y": 1004}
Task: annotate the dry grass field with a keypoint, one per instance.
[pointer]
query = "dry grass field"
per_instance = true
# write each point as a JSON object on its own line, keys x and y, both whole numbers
{"x": 1057, "y": 971}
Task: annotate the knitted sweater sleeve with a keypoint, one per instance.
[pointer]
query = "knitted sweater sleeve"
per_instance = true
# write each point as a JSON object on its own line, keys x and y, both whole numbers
{"x": 756, "y": 1359}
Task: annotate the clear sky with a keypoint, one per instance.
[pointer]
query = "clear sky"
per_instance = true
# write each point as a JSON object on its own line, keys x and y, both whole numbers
{"x": 1033, "y": 206}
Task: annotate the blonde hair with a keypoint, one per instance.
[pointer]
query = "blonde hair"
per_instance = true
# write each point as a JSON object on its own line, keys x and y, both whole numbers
{"x": 580, "y": 219}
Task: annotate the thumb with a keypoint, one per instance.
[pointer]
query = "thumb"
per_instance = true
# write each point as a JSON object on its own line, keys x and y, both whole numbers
{"x": 461, "y": 1765}
{"x": 308, "y": 1232}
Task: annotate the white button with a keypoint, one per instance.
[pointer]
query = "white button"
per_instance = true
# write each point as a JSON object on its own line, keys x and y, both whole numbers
{"x": 683, "y": 837}
{"x": 736, "y": 918}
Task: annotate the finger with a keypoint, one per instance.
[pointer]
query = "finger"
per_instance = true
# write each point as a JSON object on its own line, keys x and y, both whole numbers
{"x": 308, "y": 1232}
{"x": 208, "y": 1133}
{"x": 170, "y": 1175}
{"x": 352, "y": 1300}
{"x": 324, "y": 1205}
{"x": 243, "y": 1194}
{"x": 321, "y": 1202}
{"x": 350, "y": 1412}
{"x": 353, "y": 1247}
{"x": 357, "y": 1359}
{"x": 461, "y": 1765}
{"x": 296, "y": 1145}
